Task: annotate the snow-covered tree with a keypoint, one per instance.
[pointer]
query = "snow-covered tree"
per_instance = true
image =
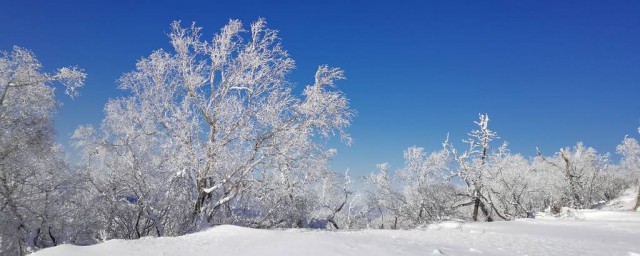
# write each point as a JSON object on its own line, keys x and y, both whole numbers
{"x": 471, "y": 167}
{"x": 630, "y": 151}
{"x": 511, "y": 185}
{"x": 588, "y": 176}
{"x": 416, "y": 194}
{"x": 496, "y": 182}
{"x": 34, "y": 178}
{"x": 384, "y": 199}
{"x": 131, "y": 174}
{"x": 218, "y": 122}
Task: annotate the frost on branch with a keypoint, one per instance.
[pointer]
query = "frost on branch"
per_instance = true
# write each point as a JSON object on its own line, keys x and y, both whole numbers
{"x": 20, "y": 71}
{"x": 72, "y": 78}
{"x": 326, "y": 109}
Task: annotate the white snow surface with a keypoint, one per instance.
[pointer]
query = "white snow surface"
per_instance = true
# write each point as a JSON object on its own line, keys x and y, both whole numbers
{"x": 596, "y": 233}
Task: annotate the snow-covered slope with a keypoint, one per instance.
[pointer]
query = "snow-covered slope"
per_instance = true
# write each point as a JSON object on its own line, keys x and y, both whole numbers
{"x": 597, "y": 233}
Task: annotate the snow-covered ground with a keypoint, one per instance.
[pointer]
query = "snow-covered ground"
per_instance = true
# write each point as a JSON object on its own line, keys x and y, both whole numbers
{"x": 594, "y": 233}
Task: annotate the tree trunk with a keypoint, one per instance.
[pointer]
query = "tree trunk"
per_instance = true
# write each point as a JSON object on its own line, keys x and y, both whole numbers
{"x": 202, "y": 195}
{"x": 333, "y": 222}
{"x": 486, "y": 212}
{"x": 479, "y": 205}
{"x": 576, "y": 201}
{"x": 635, "y": 208}
{"x": 53, "y": 239}
{"x": 476, "y": 206}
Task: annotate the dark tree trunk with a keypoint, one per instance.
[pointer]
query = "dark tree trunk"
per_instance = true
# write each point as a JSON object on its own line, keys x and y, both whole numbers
{"x": 637, "y": 199}
{"x": 485, "y": 211}
{"x": 333, "y": 222}
{"x": 476, "y": 206}
{"x": 53, "y": 239}
{"x": 202, "y": 196}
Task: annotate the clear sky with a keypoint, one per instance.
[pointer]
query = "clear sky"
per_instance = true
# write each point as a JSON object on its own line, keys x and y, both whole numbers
{"x": 549, "y": 73}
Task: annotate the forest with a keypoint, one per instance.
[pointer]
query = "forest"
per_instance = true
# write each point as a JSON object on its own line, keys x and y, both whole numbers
{"x": 212, "y": 132}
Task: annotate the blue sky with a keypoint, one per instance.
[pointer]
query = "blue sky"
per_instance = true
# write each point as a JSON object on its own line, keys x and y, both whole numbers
{"x": 549, "y": 73}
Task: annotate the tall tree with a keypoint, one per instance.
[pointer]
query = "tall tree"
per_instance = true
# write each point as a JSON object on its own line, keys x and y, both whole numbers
{"x": 225, "y": 119}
